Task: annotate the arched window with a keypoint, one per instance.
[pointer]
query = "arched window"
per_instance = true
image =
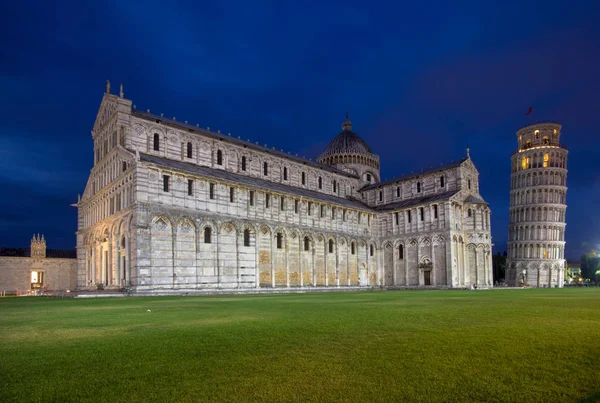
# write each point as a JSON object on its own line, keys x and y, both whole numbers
{"x": 368, "y": 177}
{"x": 265, "y": 168}
{"x": 442, "y": 181}
{"x": 246, "y": 237}
{"x": 207, "y": 235}
{"x": 371, "y": 250}
{"x": 418, "y": 187}
{"x": 320, "y": 183}
{"x": 469, "y": 183}
{"x": 334, "y": 186}
{"x": 156, "y": 142}
{"x": 401, "y": 252}
{"x": 123, "y": 242}
{"x": 189, "y": 150}
{"x": 279, "y": 240}
{"x": 398, "y": 191}
{"x": 380, "y": 195}
{"x": 352, "y": 248}
{"x": 331, "y": 246}
{"x": 219, "y": 157}
{"x": 546, "y": 160}
{"x": 284, "y": 173}
{"x": 469, "y": 212}
{"x": 306, "y": 244}
{"x": 243, "y": 163}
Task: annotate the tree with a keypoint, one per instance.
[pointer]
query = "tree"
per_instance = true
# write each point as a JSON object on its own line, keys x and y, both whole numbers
{"x": 499, "y": 267}
{"x": 590, "y": 264}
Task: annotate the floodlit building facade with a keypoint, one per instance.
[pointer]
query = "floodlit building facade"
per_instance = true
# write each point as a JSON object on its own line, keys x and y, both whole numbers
{"x": 28, "y": 271}
{"x": 536, "y": 245}
{"x": 171, "y": 207}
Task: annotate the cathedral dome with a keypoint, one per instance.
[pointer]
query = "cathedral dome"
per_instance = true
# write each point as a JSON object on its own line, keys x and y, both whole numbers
{"x": 349, "y": 152}
{"x": 346, "y": 142}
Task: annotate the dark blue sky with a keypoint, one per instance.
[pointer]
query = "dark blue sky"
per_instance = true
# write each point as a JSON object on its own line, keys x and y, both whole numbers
{"x": 420, "y": 80}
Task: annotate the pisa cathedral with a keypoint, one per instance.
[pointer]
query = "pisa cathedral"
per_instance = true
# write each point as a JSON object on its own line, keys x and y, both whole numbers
{"x": 171, "y": 207}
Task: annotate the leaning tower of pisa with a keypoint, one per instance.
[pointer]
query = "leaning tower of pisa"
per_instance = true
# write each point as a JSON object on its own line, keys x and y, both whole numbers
{"x": 536, "y": 231}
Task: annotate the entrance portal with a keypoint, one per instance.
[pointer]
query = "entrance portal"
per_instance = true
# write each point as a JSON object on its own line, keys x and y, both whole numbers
{"x": 427, "y": 277}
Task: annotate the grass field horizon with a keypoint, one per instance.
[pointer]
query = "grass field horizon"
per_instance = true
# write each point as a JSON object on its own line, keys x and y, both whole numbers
{"x": 497, "y": 345}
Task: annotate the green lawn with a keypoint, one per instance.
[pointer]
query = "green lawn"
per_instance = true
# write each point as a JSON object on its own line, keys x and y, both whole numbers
{"x": 506, "y": 345}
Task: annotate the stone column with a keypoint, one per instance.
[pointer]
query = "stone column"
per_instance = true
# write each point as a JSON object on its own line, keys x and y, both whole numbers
{"x": 476, "y": 266}
{"x": 313, "y": 269}
{"x": 348, "y": 250}
{"x": 406, "y": 265}
{"x": 450, "y": 256}
{"x": 99, "y": 264}
{"x": 490, "y": 268}
{"x": 394, "y": 267}
{"x": 256, "y": 250}
{"x": 287, "y": 263}
{"x": 325, "y": 257}
{"x": 337, "y": 263}
{"x": 115, "y": 258}
{"x": 300, "y": 249}
{"x": 217, "y": 237}
{"x": 173, "y": 253}
{"x": 380, "y": 268}
{"x": 127, "y": 261}
{"x": 419, "y": 275}
{"x": 89, "y": 267}
{"x": 273, "y": 260}
{"x": 457, "y": 247}
{"x": 463, "y": 267}
{"x": 368, "y": 260}
{"x": 237, "y": 255}
{"x": 433, "y": 276}
{"x": 561, "y": 277}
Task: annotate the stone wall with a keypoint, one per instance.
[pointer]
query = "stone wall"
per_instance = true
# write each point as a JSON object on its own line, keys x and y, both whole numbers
{"x": 58, "y": 274}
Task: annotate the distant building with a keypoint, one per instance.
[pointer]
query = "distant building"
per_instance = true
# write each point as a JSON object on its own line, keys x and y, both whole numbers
{"x": 171, "y": 206}
{"x": 536, "y": 245}
{"x": 37, "y": 268}
{"x": 575, "y": 268}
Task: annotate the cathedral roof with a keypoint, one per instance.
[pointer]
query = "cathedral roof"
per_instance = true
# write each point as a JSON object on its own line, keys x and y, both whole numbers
{"x": 251, "y": 181}
{"x": 347, "y": 142}
{"x": 475, "y": 200}
{"x": 416, "y": 201}
{"x": 403, "y": 178}
{"x": 239, "y": 141}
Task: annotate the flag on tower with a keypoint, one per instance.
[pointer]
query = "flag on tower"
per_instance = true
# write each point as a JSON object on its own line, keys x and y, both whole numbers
{"x": 529, "y": 111}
